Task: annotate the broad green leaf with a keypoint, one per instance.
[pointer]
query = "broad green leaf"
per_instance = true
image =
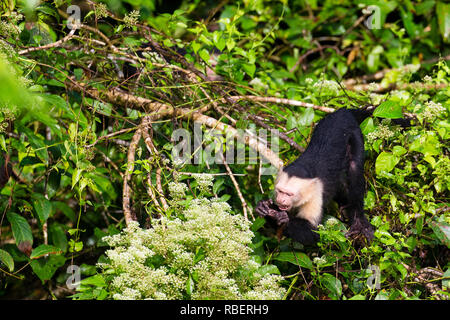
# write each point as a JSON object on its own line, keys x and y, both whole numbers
{"x": 332, "y": 284}
{"x": 442, "y": 231}
{"x": 230, "y": 44}
{"x": 96, "y": 280}
{"x": 386, "y": 161}
{"x": 46, "y": 267}
{"x": 21, "y": 230}
{"x": 76, "y": 175}
{"x": 388, "y": 109}
{"x": 66, "y": 210}
{"x": 428, "y": 144}
{"x": 446, "y": 280}
{"x": 204, "y": 54}
{"x": 43, "y": 250}
{"x": 58, "y": 237}
{"x": 3, "y": 142}
{"x": 189, "y": 286}
{"x": 443, "y": 14}
{"x": 398, "y": 150}
{"x": 306, "y": 117}
{"x": 54, "y": 181}
{"x": 258, "y": 223}
{"x": 43, "y": 208}
{"x": 367, "y": 126}
{"x": 6, "y": 258}
{"x": 268, "y": 269}
{"x": 358, "y": 297}
{"x": 373, "y": 58}
{"x": 297, "y": 258}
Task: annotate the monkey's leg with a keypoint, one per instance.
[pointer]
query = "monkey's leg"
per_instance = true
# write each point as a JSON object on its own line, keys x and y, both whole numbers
{"x": 355, "y": 193}
{"x": 301, "y": 230}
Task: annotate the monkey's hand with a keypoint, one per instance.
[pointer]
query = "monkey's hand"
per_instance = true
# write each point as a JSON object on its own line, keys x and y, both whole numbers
{"x": 360, "y": 227}
{"x": 266, "y": 208}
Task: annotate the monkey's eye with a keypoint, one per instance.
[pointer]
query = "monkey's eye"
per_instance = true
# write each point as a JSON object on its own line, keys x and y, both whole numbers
{"x": 286, "y": 193}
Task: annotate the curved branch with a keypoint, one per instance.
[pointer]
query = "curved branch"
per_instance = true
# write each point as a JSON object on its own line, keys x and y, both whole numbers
{"x": 159, "y": 110}
{"x": 129, "y": 216}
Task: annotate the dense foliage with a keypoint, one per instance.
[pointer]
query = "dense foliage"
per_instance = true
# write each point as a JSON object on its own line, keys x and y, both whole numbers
{"x": 90, "y": 116}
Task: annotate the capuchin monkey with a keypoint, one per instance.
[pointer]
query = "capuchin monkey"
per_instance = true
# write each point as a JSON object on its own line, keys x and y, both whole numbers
{"x": 331, "y": 168}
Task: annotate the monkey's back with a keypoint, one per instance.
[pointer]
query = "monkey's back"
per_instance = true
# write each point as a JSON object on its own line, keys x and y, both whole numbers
{"x": 326, "y": 156}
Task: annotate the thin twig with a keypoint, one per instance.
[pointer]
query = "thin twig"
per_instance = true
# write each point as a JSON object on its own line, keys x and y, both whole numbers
{"x": 284, "y": 101}
{"x": 129, "y": 216}
{"x": 236, "y": 186}
{"x": 50, "y": 45}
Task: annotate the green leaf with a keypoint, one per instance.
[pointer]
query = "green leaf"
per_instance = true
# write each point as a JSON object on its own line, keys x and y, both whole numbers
{"x": 104, "y": 184}
{"x": 358, "y": 297}
{"x": 386, "y": 161}
{"x": 398, "y": 150}
{"x": 443, "y": 14}
{"x": 428, "y": 144}
{"x": 96, "y": 280}
{"x": 204, "y": 54}
{"x": 43, "y": 208}
{"x": 3, "y": 142}
{"x": 291, "y": 122}
{"x": 367, "y": 126}
{"x": 66, "y": 210}
{"x": 217, "y": 185}
{"x": 58, "y": 236}
{"x": 442, "y": 230}
{"x": 268, "y": 269}
{"x": 43, "y": 250}
{"x": 189, "y": 285}
{"x": 6, "y": 258}
{"x": 257, "y": 224}
{"x": 297, "y": 258}
{"x": 249, "y": 69}
{"x": 46, "y": 267}
{"x": 446, "y": 280}
{"x": 306, "y": 117}
{"x": 76, "y": 175}
{"x": 54, "y": 181}
{"x": 373, "y": 58}
{"x": 332, "y": 284}
{"x": 21, "y": 230}
{"x": 388, "y": 109}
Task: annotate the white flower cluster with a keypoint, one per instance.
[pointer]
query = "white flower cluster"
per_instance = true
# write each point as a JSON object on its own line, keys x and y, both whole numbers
{"x": 204, "y": 181}
{"x": 327, "y": 87}
{"x": 208, "y": 249}
{"x": 431, "y": 110}
{"x": 131, "y": 18}
{"x": 9, "y": 28}
{"x": 331, "y": 222}
{"x": 427, "y": 79}
{"x": 381, "y": 132}
{"x": 258, "y": 84}
{"x": 177, "y": 190}
{"x": 101, "y": 10}
{"x": 320, "y": 260}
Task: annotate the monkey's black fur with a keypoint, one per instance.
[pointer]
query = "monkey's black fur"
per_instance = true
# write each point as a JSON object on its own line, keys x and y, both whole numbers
{"x": 335, "y": 155}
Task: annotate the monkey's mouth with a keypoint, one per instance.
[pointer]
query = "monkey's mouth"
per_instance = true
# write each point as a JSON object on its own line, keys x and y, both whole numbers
{"x": 283, "y": 208}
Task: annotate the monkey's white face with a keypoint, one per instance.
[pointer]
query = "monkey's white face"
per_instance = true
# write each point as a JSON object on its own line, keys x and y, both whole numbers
{"x": 292, "y": 192}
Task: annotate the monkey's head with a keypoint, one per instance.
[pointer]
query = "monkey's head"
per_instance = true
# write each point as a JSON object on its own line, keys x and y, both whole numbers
{"x": 292, "y": 192}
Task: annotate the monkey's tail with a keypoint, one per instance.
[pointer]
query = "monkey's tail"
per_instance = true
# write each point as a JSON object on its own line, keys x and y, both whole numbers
{"x": 363, "y": 113}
